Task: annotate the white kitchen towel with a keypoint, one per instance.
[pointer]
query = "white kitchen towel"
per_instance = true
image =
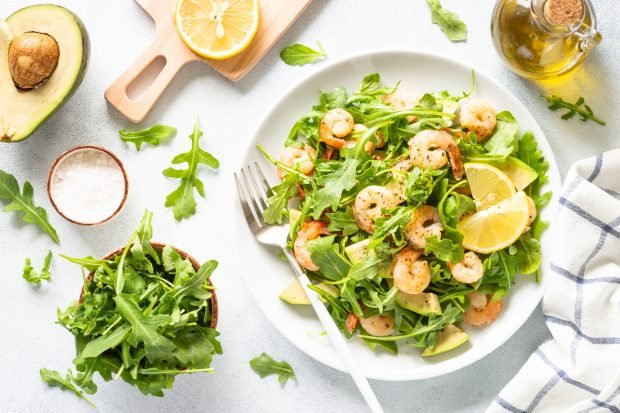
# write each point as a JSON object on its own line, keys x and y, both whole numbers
{"x": 578, "y": 370}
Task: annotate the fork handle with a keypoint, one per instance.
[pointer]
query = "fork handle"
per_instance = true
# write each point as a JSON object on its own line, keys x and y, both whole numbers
{"x": 336, "y": 338}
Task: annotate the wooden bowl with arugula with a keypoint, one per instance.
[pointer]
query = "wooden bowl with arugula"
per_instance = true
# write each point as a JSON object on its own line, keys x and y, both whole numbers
{"x": 147, "y": 313}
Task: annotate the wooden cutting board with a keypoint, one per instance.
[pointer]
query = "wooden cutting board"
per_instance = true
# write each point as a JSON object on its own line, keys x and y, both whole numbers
{"x": 169, "y": 50}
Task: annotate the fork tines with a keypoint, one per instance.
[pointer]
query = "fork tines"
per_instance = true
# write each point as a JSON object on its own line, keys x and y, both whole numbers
{"x": 252, "y": 195}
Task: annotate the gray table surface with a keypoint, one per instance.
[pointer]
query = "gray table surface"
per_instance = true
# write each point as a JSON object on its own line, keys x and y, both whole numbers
{"x": 229, "y": 112}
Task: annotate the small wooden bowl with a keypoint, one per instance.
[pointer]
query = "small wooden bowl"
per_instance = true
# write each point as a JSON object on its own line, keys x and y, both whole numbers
{"x": 71, "y": 151}
{"x": 158, "y": 248}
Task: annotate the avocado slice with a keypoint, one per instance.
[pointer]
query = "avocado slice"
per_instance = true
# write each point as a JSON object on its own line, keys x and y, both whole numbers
{"x": 295, "y": 294}
{"x": 422, "y": 303}
{"x": 518, "y": 171}
{"x": 356, "y": 252}
{"x": 43, "y": 57}
{"x": 447, "y": 339}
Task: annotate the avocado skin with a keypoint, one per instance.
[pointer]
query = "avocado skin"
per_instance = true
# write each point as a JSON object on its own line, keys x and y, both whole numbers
{"x": 78, "y": 79}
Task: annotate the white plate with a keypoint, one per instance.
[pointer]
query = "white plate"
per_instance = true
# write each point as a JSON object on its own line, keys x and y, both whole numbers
{"x": 265, "y": 275}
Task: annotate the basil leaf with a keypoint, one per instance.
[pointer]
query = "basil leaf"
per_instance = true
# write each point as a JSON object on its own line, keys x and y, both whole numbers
{"x": 299, "y": 55}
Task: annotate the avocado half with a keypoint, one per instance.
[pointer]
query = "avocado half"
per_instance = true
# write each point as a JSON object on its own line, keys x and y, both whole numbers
{"x": 43, "y": 57}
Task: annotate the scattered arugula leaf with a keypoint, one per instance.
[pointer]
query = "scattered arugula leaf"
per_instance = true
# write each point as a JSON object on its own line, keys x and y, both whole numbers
{"x": 153, "y": 135}
{"x": 448, "y": 21}
{"x": 299, "y": 54}
{"x": 585, "y": 113}
{"x": 264, "y": 365}
{"x": 182, "y": 199}
{"x": 54, "y": 379}
{"x": 34, "y": 277}
{"x": 24, "y": 202}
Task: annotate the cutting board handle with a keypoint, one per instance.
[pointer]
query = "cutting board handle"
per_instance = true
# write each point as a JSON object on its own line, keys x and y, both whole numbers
{"x": 136, "y": 110}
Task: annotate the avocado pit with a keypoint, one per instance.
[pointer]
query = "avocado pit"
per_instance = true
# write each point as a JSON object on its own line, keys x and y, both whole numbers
{"x": 33, "y": 58}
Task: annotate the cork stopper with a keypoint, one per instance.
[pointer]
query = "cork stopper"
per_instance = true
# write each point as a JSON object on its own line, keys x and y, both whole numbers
{"x": 563, "y": 12}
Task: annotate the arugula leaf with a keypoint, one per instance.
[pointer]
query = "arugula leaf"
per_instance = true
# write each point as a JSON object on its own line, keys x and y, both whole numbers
{"x": 395, "y": 220}
{"x": 88, "y": 263}
{"x": 182, "y": 199}
{"x": 335, "y": 98}
{"x": 334, "y": 183}
{"x": 277, "y": 203}
{"x": 448, "y": 21}
{"x": 585, "y": 113}
{"x": 145, "y": 329}
{"x": 325, "y": 254}
{"x": 500, "y": 269}
{"x": 34, "y": 277}
{"x": 54, "y": 379}
{"x": 421, "y": 183}
{"x": 365, "y": 269}
{"x": 153, "y": 135}
{"x": 444, "y": 249}
{"x": 343, "y": 221}
{"x": 502, "y": 142}
{"x": 24, "y": 202}
{"x": 299, "y": 55}
{"x": 264, "y": 365}
{"x": 102, "y": 343}
{"x": 528, "y": 255}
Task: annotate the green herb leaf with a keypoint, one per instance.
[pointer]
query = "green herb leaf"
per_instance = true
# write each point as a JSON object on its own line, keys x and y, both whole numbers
{"x": 299, "y": 54}
{"x": 579, "y": 107}
{"x": 330, "y": 260}
{"x": 24, "y": 202}
{"x": 365, "y": 269}
{"x": 54, "y": 379}
{"x": 265, "y": 366}
{"x": 448, "y": 21}
{"x": 444, "y": 249}
{"x": 182, "y": 199}
{"x": 145, "y": 329}
{"x": 277, "y": 203}
{"x": 343, "y": 221}
{"x": 34, "y": 277}
{"x": 334, "y": 183}
{"x": 153, "y": 135}
{"x": 502, "y": 142}
{"x": 528, "y": 254}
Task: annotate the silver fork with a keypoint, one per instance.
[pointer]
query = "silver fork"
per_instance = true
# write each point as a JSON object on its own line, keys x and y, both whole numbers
{"x": 253, "y": 192}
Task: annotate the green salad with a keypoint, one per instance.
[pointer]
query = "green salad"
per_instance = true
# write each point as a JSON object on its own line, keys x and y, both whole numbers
{"x": 411, "y": 214}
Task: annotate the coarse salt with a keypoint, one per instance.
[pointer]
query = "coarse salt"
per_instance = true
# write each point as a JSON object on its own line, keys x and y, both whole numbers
{"x": 87, "y": 186}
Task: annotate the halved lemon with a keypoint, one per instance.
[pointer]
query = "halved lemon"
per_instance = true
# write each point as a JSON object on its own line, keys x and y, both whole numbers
{"x": 217, "y": 29}
{"x": 495, "y": 227}
{"x": 489, "y": 186}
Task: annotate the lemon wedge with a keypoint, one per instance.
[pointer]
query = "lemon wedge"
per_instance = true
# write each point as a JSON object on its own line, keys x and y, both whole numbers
{"x": 489, "y": 186}
{"x": 496, "y": 227}
{"x": 217, "y": 29}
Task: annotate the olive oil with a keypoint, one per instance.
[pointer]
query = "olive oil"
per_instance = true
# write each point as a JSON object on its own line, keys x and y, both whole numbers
{"x": 544, "y": 39}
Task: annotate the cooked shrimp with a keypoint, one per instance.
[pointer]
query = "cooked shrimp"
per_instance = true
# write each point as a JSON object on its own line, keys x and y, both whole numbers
{"x": 482, "y": 312}
{"x": 378, "y": 325}
{"x": 308, "y": 231}
{"x": 411, "y": 274}
{"x": 532, "y": 213}
{"x": 424, "y": 223}
{"x": 336, "y": 125}
{"x": 477, "y": 116}
{"x": 431, "y": 149}
{"x": 403, "y": 98}
{"x": 301, "y": 159}
{"x": 469, "y": 270}
{"x": 369, "y": 204}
